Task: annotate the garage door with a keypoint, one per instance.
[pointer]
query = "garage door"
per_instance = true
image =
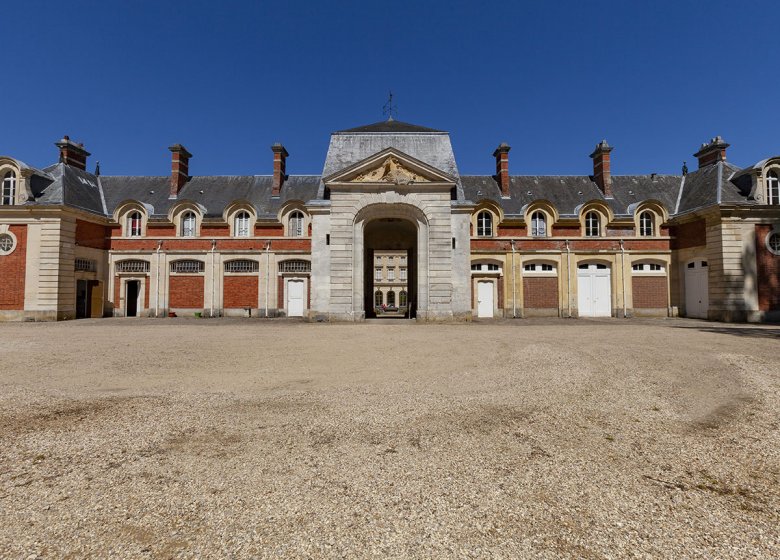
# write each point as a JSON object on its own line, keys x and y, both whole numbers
{"x": 593, "y": 290}
{"x": 697, "y": 300}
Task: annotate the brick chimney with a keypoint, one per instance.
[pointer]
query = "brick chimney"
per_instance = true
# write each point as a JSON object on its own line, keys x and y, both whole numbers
{"x": 72, "y": 154}
{"x": 180, "y": 168}
{"x": 502, "y": 167}
{"x": 601, "y": 173}
{"x": 280, "y": 168}
{"x": 712, "y": 152}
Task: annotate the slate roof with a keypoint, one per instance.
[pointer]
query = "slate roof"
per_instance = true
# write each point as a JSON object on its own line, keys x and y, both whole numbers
{"x": 214, "y": 193}
{"x": 568, "y": 192}
{"x": 73, "y": 187}
{"x": 388, "y": 126}
{"x": 711, "y": 185}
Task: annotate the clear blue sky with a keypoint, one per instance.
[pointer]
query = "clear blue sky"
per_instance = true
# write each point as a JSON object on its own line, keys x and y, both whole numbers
{"x": 228, "y": 78}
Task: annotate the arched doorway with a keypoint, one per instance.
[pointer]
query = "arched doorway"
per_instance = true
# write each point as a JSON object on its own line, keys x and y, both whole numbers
{"x": 390, "y": 267}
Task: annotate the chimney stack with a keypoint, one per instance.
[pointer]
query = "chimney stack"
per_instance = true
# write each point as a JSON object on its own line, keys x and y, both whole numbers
{"x": 180, "y": 167}
{"x": 601, "y": 172}
{"x": 72, "y": 154}
{"x": 280, "y": 168}
{"x": 502, "y": 167}
{"x": 713, "y": 152}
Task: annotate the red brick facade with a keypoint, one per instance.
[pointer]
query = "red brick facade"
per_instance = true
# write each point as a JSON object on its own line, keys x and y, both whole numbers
{"x": 649, "y": 292}
{"x": 12, "y": 271}
{"x": 540, "y": 293}
{"x": 240, "y": 291}
{"x": 692, "y": 234}
{"x": 768, "y": 266}
{"x": 92, "y": 235}
{"x": 186, "y": 292}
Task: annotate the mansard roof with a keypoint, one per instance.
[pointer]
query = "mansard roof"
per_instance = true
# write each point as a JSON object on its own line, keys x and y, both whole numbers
{"x": 568, "y": 192}
{"x": 709, "y": 185}
{"x": 389, "y": 125}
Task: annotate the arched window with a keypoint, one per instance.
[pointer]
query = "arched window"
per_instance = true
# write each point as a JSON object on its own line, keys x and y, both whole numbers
{"x": 592, "y": 224}
{"x": 295, "y": 227}
{"x": 241, "y": 226}
{"x": 484, "y": 224}
{"x": 402, "y": 299}
{"x": 772, "y": 188}
{"x": 646, "y": 224}
{"x": 538, "y": 224}
{"x": 391, "y": 298}
{"x": 378, "y": 298}
{"x": 9, "y": 189}
{"x": 134, "y": 224}
{"x": 188, "y": 224}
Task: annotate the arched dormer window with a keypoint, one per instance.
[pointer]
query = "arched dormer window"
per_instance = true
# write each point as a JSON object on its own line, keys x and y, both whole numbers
{"x": 295, "y": 224}
{"x": 772, "y": 188}
{"x": 135, "y": 224}
{"x": 484, "y": 224}
{"x": 9, "y": 189}
{"x": 646, "y": 224}
{"x": 242, "y": 224}
{"x": 592, "y": 224}
{"x": 189, "y": 224}
{"x": 538, "y": 224}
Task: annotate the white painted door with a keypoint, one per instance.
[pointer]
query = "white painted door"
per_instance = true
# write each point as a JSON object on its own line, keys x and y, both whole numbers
{"x": 484, "y": 299}
{"x": 594, "y": 293}
{"x": 295, "y": 298}
{"x": 697, "y": 300}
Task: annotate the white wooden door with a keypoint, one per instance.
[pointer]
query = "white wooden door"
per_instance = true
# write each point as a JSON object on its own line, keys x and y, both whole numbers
{"x": 484, "y": 299}
{"x": 594, "y": 293}
{"x": 697, "y": 301}
{"x": 295, "y": 298}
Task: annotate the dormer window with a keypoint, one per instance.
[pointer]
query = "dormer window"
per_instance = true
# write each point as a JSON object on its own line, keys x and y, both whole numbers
{"x": 296, "y": 224}
{"x": 538, "y": 224}
{"x": 242, "y": 224}
{"x": 646, "y": 225}
{"x": 485, "y": 224}
{"x": 188, "y": 224}
{"x": 134, "y": 224}
{"x": 772, "y": 188}
{"x": 592, "y": 224}
{"x": 9, "y": 189}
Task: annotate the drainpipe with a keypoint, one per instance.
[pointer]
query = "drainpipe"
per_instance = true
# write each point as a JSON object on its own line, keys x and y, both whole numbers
{"x": 213, "y": 274}
{"x": 568, "y": 278}
{"x": 267, "y": 272}
{"x": 623, "y": 274}
{"x": 157, "y": 283}
{"x": 514, "y": 282}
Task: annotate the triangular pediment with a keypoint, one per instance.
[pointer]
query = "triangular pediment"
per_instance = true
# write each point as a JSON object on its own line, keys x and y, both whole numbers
{"x": 392, "y": 167}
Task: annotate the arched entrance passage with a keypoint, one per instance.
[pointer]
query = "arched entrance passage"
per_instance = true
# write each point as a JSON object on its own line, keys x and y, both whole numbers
{"x": 390, "y": 227}
{"x": 383, "y": 273}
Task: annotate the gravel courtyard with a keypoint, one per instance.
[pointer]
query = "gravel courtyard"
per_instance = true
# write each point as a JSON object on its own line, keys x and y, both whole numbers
{"x": 188, "y": 438}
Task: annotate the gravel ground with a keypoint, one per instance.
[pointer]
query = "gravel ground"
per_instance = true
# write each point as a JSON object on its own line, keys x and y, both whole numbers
{"x": 188, "y": 438}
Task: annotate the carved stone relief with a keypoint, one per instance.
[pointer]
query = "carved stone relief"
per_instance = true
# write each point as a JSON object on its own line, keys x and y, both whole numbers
{"x": 391, "y": 171}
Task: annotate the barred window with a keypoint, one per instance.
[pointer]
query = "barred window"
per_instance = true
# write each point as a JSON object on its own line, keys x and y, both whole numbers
{"x": 132, "y": 266}
{"x": 239, "y": 266}
{"x": 188, "y": 266}
{"x": 295, "y": 266}
{"x": 85, "y": 265}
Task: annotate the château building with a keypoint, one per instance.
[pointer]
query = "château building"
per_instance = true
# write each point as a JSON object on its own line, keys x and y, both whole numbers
{"x": 705, "y": 243}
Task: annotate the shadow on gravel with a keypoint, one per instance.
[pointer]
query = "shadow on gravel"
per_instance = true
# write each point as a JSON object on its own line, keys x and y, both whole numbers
{"x": 751, "y": 332}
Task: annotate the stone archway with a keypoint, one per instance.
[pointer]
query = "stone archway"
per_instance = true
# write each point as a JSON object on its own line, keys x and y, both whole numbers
{"x": 396, "y": 235}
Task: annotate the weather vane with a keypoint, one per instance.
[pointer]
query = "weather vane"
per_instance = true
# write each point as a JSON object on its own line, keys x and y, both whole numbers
{"x": 390, "y": 109}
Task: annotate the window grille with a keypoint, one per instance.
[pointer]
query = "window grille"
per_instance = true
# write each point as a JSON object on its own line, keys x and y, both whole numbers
{"x": 132, "y": 266}
{"x": 6, "y": 243}
{"x": 241, "y": 266}
{"x": 85, "y": 265}
{"x": 492, "y": 267}
{"x": 538, "y": 224}
{"x": 774, "y": 243}
{"x": 476, "y": 267}
{"x": 538, "y": 267}
{"x": 295, "y": 266}
{"x": 647, "y": 267}
{"x": 646, "y": 224}
{"x": 9, "y": 189}
{"x": 187, "y": 267}
{"x": 484, "y": 224}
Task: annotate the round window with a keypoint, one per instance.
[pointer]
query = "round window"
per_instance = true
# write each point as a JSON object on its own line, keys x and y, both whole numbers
{"x": 773, "y": 242}
{"x": 6, "y": 244}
